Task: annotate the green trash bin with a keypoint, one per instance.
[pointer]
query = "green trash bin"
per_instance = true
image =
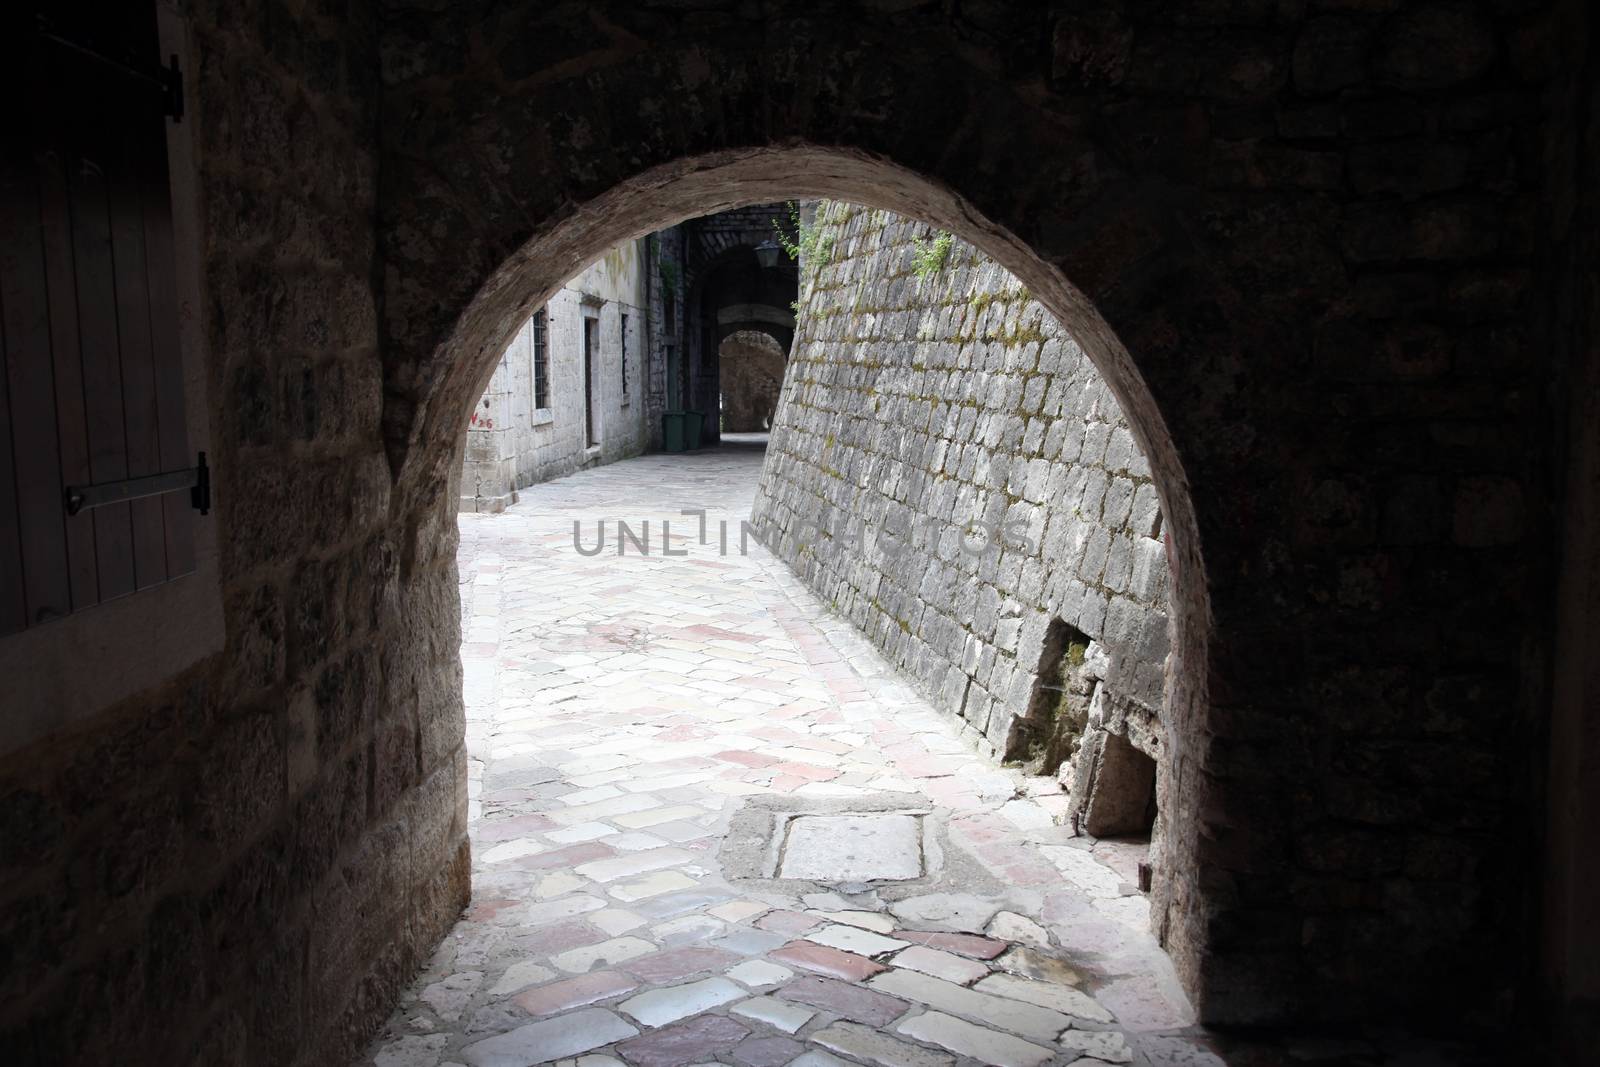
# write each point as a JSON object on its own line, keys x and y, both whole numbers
{"x": 673, "y": 431}
{"x": 693, "y": 426}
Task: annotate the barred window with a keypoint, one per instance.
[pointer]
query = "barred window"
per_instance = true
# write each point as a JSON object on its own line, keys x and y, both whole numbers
{"x": 624, "y": 357}
{"x": 541, "y": 361}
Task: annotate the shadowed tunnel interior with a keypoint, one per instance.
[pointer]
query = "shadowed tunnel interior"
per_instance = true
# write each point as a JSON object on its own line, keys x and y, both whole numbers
{"x": 1335, "y": 264}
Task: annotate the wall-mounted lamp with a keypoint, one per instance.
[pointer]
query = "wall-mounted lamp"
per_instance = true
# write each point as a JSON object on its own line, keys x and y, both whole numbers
{"x": 767, "y": 253}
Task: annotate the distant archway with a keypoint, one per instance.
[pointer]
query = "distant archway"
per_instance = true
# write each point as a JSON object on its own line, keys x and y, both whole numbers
{"x": 752, "y": 364}
{"x": 731, "y": 289}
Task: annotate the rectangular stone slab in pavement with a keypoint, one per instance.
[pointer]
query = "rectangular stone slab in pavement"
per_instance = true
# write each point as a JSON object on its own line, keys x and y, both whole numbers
{"x": 853, "y": 848}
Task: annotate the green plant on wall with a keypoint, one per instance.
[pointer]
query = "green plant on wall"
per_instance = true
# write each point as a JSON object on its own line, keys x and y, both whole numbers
{"x": 669, "y": 276}
{"x": 929, "y": 255}
{"x": 802, "y": 241}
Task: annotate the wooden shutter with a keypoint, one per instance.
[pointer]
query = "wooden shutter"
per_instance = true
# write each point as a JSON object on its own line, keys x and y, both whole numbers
{"x": 92, "y": 391}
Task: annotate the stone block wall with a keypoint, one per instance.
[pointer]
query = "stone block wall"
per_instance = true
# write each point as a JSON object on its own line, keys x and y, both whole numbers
{"x": 511, "y": 443}
{"x": 950, "y": 471}
{"x": 244, "y": 863}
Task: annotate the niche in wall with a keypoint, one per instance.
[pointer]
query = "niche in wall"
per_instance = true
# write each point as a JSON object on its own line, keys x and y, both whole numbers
{"x": 1051, "y": 732}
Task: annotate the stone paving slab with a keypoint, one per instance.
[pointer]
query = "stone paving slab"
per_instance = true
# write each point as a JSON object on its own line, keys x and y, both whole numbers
{"x": 853, "y": 848}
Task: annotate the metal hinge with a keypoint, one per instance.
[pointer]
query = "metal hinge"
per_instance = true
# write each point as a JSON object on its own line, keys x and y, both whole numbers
{"x": 168, "y": 79}
{"x": 174, "y": 77}
{"x": 196, "y": 479}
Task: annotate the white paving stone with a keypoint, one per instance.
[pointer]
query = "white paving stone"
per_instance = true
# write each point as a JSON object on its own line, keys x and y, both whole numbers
{"x": 688, "y": 929}
{"x": 780, "y": 1014}
{"x": 550, "y": 1039}
{"x": 557, "y": 885}
{"x": 587, "y": 957}
{"x": 564, "y": 908}
{"x": 1009, "y": 926}
{"x": 615, "y": 921}
{"x": 864, "y": 1043}
{"x": 585, "y": 813}
{"x": 739, "y": 910}
{"x": 854, "y": 939}
{"x": 661, "y": 1006}
{"x": 1017, "y": 1016}
{"x": 961, "y": 912}
{"x": 1045, "y": 994}
{"x": 759, "y": 974}
{"x": 946, "y": 965}
{"x": 636, "y": 841}
{"x": 641, "y": 820}
{"x": 876, "y": 921}
{"x": 514, "y": 849}
{"x": 980, "y": 1043}
{"x": 651, "y": 885}
{"x": 680, "y": 830}
{"x": 609, "y": 870}
{"x": 519, "y": 976}
{"x": 590, "y": 796}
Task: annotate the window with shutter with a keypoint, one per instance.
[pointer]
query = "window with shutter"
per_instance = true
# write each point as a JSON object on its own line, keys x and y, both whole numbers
{"x": 92, "y": 395}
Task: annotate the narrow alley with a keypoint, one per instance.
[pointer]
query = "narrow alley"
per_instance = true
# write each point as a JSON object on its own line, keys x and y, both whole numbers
{"x": 710, "y": 824}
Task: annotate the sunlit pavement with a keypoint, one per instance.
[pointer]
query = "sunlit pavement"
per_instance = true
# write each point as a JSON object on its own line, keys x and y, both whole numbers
{"x": 711, "y": 824}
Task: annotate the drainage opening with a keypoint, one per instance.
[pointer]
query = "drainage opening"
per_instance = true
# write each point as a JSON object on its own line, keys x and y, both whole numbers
{"x": 1058, "y": 712}
{"x": 1116, "y": 788}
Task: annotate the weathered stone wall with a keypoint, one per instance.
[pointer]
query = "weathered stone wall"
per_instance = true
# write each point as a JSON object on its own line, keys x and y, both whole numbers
{"x": 243, "y": 865}
{"x": 920, "y": 406}
{"x": 511, "y": 443}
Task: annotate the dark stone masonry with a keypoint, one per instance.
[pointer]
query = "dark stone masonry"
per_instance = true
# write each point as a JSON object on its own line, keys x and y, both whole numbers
{"x": 1333, "y": 261}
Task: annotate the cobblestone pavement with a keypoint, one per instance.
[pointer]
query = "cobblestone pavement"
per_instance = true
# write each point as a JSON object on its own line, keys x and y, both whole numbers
{"x": 710, "y": 824}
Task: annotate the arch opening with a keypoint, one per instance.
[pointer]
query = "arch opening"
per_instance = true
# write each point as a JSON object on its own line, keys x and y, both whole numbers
{"x": 751, "y": 364}
{"x": 426, "y": 459}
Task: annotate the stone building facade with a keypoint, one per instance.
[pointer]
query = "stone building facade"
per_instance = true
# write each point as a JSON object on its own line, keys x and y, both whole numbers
{"x": 952, "y": 473}
{"x": 571, "y": 389}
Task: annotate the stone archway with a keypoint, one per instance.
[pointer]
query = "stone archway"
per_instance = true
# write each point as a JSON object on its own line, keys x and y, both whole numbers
{"x": 1313, "y": 252}
{"x": 1201, "y": 262}
{"x": 466, "y": 356}
{"x": 751, "y": 379}
{"x": 727, "y": 289}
